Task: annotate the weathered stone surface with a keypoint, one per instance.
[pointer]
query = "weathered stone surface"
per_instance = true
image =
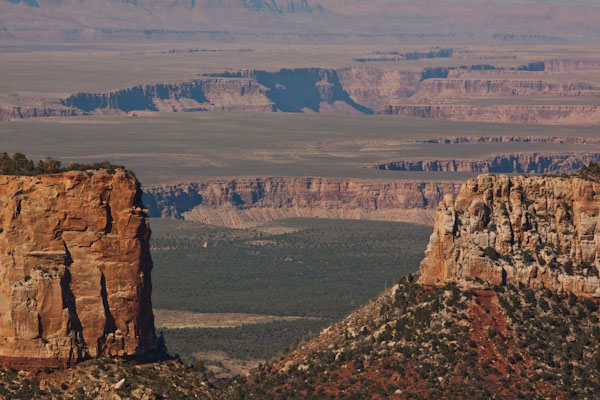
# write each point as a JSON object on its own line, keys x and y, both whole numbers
{"x": 540, "y": 163}
{"x": 74, "y": 269}
{"x": 518, "y": 114}
{"x": 240, "y": 202}
{"x": 538, "y": 231}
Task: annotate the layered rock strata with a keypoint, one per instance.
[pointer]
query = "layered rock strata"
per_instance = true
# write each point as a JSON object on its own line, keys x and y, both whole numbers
{"x": 428, "y": 93}
{"x": 516, "y": 114}
{"x": 74, "y": 269}
{"x": 537, "y": 231}
{"x": 244, "y": 202}
{"x": 467, "y": 88}
{"x": 538, "y": 163}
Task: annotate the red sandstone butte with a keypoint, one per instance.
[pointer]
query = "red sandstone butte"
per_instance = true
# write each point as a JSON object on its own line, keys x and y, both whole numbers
{"x": 74, "y": 269}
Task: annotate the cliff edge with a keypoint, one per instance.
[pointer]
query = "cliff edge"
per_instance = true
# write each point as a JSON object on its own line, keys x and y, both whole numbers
{"x": 542, "y": 232}
{"x": 74, "y": 269}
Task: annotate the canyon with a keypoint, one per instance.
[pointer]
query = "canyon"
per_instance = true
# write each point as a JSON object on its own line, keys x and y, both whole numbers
{"x": 438, "y": 93}
{"x": 75, "y": 269}
{"x": 528, "y": 163}
{"x": 509, "y": 286}
{"x": 540, "y": 232}
{"x": 246, "y": 201}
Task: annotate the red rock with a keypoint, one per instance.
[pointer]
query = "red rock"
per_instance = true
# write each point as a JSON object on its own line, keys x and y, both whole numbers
{"x": 75, "y": 269}
{"x": 554, "y": 220}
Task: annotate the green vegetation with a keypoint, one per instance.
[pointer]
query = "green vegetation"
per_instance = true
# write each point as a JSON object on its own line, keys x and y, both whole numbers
{"x": 449, "y": 343}
{"x": 19, "y": 165}
{"x": 319, "y": 268}
{"x": 307, "y": 267}
{"x": 246, "y": 342}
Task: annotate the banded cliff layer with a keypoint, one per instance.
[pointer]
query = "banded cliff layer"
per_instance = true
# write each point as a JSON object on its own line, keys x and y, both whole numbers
{"x": 516, "y": 114}
{"x": 240, "y": 202}
{"x": 426, "y": 93}
{"x": 538, "y": 163}
{"x": 74, "y": 269}
{"x": 538, "y": 231}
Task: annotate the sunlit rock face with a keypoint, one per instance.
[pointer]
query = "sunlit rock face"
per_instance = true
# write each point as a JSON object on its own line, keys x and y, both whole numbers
{"x": 542, "y": 232}
{"x": 74, "y": 269}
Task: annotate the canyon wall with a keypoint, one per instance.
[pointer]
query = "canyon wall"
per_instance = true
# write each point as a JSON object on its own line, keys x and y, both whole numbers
{"x": 241, "y": 202}
{"x": 536, "y": 163}
{"x": 427, "y": 93}
{"x": 506, "y": 139}
{"x": 74, "y": 269}
{"x": 465, "y": 88}
{"x": 516, "y": 114}
{"x": 537, "y": 231}
{"x": 211, "y": 94}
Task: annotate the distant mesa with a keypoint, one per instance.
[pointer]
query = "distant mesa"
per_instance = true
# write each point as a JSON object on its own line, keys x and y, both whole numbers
{"x": 437, "y": 93}
{"x": 247, "y": 201}
{"x": 528, "y": 163}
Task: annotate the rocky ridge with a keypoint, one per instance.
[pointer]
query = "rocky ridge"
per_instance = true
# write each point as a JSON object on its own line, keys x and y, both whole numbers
{"x": 505, "y": 305}
{"x": 536, "y": 231}
{"x": 239, "y": 202}
{"x": 537, "y": 163}
{"x": 75, "y": 267}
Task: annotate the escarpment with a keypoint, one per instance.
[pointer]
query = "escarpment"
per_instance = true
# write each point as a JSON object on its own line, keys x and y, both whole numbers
{"x": 74, "y": 269}
{"x": 537, "y": 231}
{"x": 516, "y": 114}
{"x": 240, "y": 202}
{"x": 538, "y": 163}
{"x": 438, "y": 93}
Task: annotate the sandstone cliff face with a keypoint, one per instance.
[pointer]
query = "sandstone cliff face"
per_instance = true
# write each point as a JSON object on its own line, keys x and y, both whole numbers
{"x": 523, "y": 114}
{"x": 246, "y": 201}
{"x": 463, "y": 88}
{"x": 210, "y": 94}
{"x": 538, "y": 163}
{"x": 74, "y": 269}
{"x": 538, "y": 231}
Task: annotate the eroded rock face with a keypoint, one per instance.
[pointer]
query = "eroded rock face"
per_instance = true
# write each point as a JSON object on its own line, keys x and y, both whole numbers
{"x": 74, "y": 269}
{"x": 517, "y": 114}
{"x": 538, "y": 163}
{"x": 241, "y": 202}
{"x": 538, "y": 231}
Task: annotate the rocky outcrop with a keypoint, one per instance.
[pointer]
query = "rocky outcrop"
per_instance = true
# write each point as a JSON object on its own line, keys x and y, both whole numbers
{"x": 537, "y": 231}
{"x": 466, "y": 88}
{"x": 518, "y": 114}
{"x": 377, "y": 87}
{"x": 240, "y": 202}
{"x": 538, "y": 163}
{"x": 74, "y": 269}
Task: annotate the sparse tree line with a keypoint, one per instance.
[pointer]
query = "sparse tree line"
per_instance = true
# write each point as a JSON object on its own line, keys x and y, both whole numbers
{"x": 19, "y": 165}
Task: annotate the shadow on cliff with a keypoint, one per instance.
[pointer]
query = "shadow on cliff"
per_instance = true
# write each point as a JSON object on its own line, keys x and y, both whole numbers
{"x": 295, "y": 90}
